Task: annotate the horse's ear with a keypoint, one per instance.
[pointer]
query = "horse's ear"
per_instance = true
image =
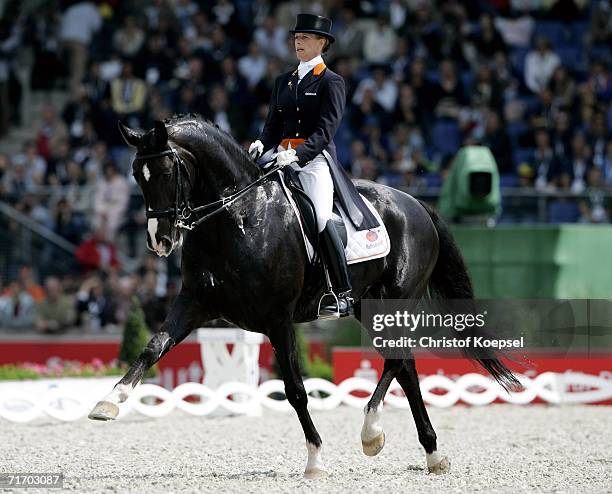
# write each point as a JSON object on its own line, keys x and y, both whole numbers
{"x": 131, "y": 137}
{"x": 161, "y": 134}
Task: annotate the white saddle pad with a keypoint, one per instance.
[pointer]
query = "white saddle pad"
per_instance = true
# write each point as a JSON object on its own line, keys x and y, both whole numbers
{"x": 361, "y": 246}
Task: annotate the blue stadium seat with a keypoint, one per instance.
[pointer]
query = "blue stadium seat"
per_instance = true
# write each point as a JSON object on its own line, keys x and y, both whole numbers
{"x": 553, "y": 30}
{"x": 579, "y": 31}
{"x": 446, "y": 137}
{"x": 600, "y": 52}
{"x": 432, "y": 180}
{"x": 571, "y": 56}
{"x": 516, "y": 130}
{"x": 523, "y": 155}
{"x": 508, "y": 180}
{"x": 563, "y": 212}
{"x": 517, "y": 58}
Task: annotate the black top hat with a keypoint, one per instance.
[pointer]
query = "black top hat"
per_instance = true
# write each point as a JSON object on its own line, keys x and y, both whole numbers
{"x": 311, "y": 23}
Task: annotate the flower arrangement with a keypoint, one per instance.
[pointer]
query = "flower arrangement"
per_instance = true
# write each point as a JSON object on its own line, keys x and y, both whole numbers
{"x": 56, "y": 367}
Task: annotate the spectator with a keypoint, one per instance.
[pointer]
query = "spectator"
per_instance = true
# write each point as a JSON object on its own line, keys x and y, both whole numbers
{"x": 79, "y": 24}
{"x": 34, "y": 164}
{"x": 67, "y": 223}
{"x": 17, "y": 307}
{"x": 383, "y": 87}
{"x": 128, "y": 39}
{"x": 28, "y": 283}
{"x": 271, "y": 38}
{"x": 380, "y": 41}
{"x": 111, "y": 198}
{"x": 548, "y": 167}
{"x": 51, "y": 133}
{"x": 496, "y": 139}
{"x": 57, "y": 312}
{"x": 128, "y": 95}
{"x": 253, "y": 65}
{"x": 448, "y": 96}
{"x": 349, "y": 36}
{"x": 9, "y": 41}
{"x": 580, "y": 163}
{"x": 97, "y": 253}
{"x": 487, "y": 39}
{"x": 540, "y": 65}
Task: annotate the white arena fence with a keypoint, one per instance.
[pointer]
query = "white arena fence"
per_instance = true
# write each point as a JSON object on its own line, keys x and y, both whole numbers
{"x": 72, "y": 400}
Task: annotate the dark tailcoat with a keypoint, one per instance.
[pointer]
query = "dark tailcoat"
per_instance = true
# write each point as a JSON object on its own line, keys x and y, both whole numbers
{"x": 312, "y": 110}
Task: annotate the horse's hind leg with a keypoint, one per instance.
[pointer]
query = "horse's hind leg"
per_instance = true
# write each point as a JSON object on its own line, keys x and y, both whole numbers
{"x": 285, "y": 348}
{"x": 372, "y": 434}
{"x": 178, "y": 324}
{"x": 409, "y": 381}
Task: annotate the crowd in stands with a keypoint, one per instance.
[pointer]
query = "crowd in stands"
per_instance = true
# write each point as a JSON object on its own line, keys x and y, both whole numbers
{"x": 529, "y": 79}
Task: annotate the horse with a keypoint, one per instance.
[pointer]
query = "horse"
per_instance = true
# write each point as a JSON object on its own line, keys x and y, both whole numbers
{"x": 244, "y": 260}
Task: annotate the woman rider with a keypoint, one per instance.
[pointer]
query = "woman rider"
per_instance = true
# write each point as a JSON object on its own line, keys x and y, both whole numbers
{"x": 305, "y": 111}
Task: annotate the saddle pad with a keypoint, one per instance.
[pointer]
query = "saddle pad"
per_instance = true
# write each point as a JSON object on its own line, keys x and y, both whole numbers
{"x": 361, "y": 246}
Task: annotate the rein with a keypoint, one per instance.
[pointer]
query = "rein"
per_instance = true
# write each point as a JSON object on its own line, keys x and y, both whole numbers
{"x": 182, "y": 210}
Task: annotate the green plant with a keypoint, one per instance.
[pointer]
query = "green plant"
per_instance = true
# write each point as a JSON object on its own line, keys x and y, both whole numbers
{"x": 135, "y": 337}
{"x": 321, "y": 368}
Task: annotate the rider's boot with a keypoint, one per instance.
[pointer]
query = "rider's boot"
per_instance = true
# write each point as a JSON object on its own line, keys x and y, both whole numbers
{"x": 333, "y": 252}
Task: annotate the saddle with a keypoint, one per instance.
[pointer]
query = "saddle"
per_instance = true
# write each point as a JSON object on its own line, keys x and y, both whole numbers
{"x": 307, "y": 211}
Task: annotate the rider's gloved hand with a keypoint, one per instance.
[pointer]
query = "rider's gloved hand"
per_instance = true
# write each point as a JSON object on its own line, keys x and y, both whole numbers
{"x": 285, "y": 158}
{"x": 256, "y": 149}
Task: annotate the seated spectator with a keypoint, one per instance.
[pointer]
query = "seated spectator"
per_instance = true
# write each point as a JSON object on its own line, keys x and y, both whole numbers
{"x": 497, "y": 140}
{"x": 253, "y": 65}
{"x": 94, "y": 307}
{"x": 606, "y": 165}
{"x": 67, "y": 223}
{"x": 562, "y": 87}
{"x": 548, "y": 166}
{"x": 128, "y": 94}
{"x": 17, "y": 307}
{"x": 35, "y": 165}
{"x": 111, "y": 197}
{"x": 380, "y": 41}
{"x": 349, "y": 36}
{"x": 129, "y": 38}
{"x": 580, "y": 163}
{"x": 540, "y": 65}
{"x": 27, "y": 281}
{"x": 97, "y": 253}
{"x": 271, "y": 38}
{"x": 448, "y": 95}
{"x": 383, "y": 87}
{"x": 51, "y": 134}
{"x": 487, "y": 39}
{"x": 57, "y": 312}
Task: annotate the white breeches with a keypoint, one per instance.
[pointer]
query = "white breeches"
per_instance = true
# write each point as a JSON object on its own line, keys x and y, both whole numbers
{"x": 317, "y": 182}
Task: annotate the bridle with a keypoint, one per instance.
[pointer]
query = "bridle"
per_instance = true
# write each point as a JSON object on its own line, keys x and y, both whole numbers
{"x": 185, "y": 216}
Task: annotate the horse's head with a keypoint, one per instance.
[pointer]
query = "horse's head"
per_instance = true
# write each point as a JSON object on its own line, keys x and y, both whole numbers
{"x": 165, "y": 183}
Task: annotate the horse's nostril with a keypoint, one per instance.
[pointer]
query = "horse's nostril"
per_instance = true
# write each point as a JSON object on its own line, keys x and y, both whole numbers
{"x": 166, "y": 242}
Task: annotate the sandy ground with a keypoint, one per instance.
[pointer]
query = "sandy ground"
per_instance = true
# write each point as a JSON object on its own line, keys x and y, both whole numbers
{"x": 501, "y": 447}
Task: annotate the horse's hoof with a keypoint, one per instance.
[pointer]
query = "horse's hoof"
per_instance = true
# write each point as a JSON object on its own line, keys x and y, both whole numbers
{"x": 315, "y": 473}
{"x": 442, "y": 467}
{"x": 104, "y": 410}
{"x": 374, "y": 446}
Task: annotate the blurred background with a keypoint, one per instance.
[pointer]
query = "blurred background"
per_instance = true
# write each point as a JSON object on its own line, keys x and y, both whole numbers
{"x": 522, "y": 87}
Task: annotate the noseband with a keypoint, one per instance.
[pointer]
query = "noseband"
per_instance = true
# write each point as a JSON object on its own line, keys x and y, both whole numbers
{"x": 185, "y": 216}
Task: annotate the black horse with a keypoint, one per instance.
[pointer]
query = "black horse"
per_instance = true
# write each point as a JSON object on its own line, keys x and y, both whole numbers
{"x": 245, "y": 262}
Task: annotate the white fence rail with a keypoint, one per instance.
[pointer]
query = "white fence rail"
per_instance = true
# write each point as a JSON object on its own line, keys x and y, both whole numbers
{"x": 68, "y": 401}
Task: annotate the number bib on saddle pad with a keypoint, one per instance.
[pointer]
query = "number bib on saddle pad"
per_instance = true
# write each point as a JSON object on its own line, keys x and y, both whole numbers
{"x": 360, "y": 246}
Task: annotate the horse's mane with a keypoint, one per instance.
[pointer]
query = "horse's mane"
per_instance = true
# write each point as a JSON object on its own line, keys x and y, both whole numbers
{"x": 186, "y": 127}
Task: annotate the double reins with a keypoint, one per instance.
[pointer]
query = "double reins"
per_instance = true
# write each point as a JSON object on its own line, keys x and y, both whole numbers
{"x": 182, "y": 211}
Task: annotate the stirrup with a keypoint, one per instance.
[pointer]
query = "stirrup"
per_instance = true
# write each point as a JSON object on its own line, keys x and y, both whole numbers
{"x": 342, "y": 307}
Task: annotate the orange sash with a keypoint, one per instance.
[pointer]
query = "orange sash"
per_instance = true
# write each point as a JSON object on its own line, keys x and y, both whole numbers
{"x": 294, "y": 143}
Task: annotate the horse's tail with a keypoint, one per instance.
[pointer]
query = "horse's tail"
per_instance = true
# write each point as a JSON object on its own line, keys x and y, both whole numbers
{"x": 450, "y": 280}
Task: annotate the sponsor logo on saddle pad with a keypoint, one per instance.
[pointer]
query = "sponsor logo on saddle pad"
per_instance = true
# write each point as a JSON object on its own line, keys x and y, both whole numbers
{"x": 371, "y": 236}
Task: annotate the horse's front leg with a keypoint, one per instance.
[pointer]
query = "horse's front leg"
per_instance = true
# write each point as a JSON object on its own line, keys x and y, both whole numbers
{"x": 183, "y": 317}
{"x": 283, "y": 342}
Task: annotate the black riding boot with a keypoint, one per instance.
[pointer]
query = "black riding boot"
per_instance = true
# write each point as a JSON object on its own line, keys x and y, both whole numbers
{"x": 333, "y": 252}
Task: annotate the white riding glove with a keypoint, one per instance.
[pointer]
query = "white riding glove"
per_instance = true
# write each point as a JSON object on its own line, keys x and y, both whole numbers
{"x": 256, "y": 149}
{"x": 285, "y": 158}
